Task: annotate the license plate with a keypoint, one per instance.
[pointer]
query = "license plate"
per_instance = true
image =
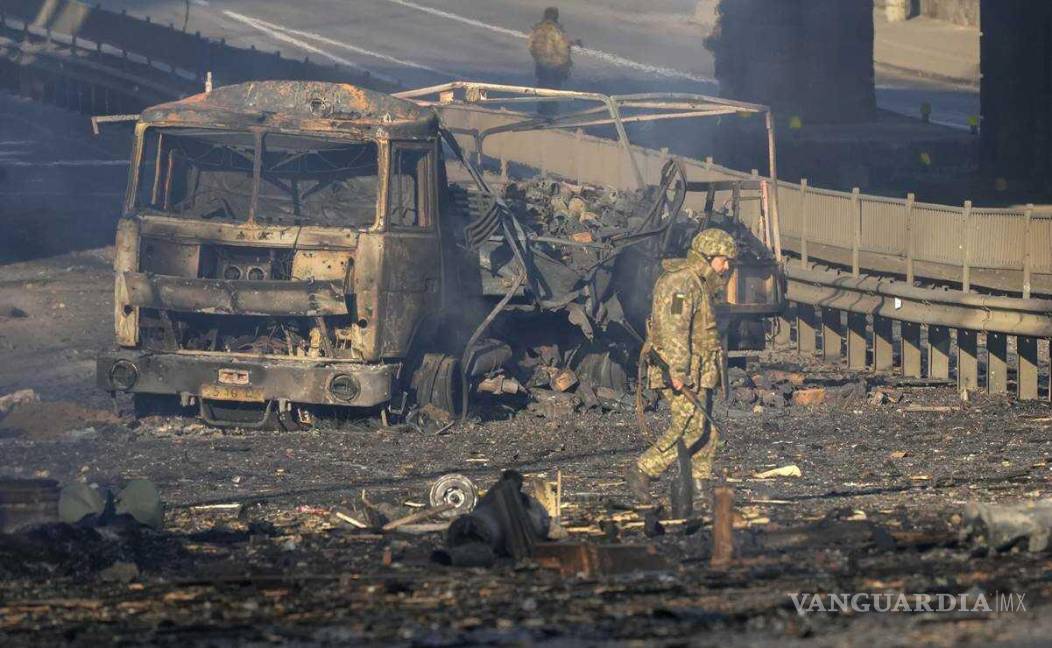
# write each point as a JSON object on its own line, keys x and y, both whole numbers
{"x": 228, "y": 393}
{"x": 233, "y": 376}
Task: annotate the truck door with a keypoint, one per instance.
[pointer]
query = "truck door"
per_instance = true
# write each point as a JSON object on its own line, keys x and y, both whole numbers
{"x": 411, "y": 283}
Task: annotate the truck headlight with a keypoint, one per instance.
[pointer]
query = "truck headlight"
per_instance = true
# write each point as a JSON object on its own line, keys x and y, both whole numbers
{"x": 344, "y": 388}
{"x": 123, "y": 375}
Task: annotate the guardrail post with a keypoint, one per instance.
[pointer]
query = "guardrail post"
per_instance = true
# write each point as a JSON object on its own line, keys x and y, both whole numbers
{"x": 938, "y": 352}
{"x": 883, "y": 344}
{"x": 579, "y": 136}
{"x": 1026, "y": 377}
{"x": 856, "y": 340}
{"x": 997, "y": 363}
{"x": 856, "y": 240}
{"x": 832, "y": 334}
{"x": 966, "y": 270}
{"x": 910, "y": 198}
{"x": 1028, "y": 216}
{"x": 967, "y": 359}
{"x": 805, "y": 229}
{"x": 805, "y": 329}
{"x": 911, "y": 350}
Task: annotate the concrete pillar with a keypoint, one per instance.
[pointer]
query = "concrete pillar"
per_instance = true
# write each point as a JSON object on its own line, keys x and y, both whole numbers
{"x": 898, "y": 10}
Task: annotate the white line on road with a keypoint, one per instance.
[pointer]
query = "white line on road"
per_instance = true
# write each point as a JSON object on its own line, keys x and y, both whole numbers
{"x": 256, "y": 22}
{"x": 285, "y": 38}
{"x": 606, "y": 57}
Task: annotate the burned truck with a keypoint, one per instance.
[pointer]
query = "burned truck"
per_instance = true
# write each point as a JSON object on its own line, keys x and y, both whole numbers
{"x": 289, "y": 248}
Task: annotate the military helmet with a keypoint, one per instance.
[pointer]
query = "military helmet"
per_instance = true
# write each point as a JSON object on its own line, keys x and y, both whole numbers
{"x": 714, "y": 242}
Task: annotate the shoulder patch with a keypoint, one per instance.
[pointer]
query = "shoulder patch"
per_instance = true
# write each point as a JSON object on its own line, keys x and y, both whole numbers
{"x": 678, "y": 300}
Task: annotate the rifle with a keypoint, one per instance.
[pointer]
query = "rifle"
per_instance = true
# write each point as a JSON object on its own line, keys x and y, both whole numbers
{"x": 650, "y": 354}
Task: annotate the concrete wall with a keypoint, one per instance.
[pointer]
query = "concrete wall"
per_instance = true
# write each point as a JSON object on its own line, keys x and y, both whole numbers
{"x": 810, "y": 58}
{"x": 958, "y": 12}
{"x": 1016, "y": 92}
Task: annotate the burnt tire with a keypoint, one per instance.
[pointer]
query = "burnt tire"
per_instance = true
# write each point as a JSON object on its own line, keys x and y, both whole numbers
{"x": 602, "y": 369}
{"x": 436, "y": 381}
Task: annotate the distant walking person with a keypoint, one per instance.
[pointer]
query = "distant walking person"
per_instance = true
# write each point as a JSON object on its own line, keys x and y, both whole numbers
{"x": 550, "y": 48}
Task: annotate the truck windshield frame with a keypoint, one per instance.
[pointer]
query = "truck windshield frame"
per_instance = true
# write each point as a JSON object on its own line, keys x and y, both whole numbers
{"x": 256, "y": 176}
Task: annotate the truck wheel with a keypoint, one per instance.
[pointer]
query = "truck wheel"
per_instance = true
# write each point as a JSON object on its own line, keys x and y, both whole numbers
{"x": 437, "y": 382}
{"x": 601, "y": 369}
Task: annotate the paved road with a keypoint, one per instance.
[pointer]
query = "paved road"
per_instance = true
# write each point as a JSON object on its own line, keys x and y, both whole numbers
{"x": 423, "y": 42}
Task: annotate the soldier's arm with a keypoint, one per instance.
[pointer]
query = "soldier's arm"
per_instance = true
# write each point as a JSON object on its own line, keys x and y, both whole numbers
{"x": 706, "y": 318}
{"x": 673, "y": 315}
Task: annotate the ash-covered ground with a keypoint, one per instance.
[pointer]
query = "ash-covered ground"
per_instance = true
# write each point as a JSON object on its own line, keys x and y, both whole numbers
{"x": 877, "y": 508}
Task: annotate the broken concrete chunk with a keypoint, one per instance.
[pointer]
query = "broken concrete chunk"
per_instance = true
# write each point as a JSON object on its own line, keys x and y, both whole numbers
{"x": 1001, "y": 526}
{"x": 772, "y": 398}
{"x": 792, "y": 377}
{"x": 743, "y": 396}
{"x": 10, "y": 401}
{"x": 809, "y": 397}
{"x": 564, "y": 380}
{"x": 851, "y": 392}
{"x": 553, "y": 405}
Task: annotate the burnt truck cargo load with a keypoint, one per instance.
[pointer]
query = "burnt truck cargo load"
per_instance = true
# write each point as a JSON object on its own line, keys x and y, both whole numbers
{"x": 293, "y": 245}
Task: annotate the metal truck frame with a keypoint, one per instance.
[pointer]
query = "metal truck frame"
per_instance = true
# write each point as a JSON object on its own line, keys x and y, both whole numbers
{"x": 294, "y": 245}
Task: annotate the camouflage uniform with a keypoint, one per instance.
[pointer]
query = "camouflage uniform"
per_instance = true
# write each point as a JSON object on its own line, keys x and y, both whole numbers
{"x": 682, "y": 331}
{"x": 550, "y": 48}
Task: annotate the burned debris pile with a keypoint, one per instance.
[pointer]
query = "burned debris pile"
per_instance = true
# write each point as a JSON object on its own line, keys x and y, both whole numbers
{"x": 579, "y": 212}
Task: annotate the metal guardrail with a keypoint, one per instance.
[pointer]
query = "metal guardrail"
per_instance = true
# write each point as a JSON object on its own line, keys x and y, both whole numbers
{"x": 993, "y": 250}
{"x": 1001, "y": 250}
{"x": 183, "y": 53}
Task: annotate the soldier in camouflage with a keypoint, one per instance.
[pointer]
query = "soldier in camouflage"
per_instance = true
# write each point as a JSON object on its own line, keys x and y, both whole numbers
{"x": 550, "y": 48}
{"x": 682, "y": 332}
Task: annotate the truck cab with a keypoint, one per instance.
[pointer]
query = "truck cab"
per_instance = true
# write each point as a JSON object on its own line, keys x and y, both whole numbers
{"x": 282, "y": 243}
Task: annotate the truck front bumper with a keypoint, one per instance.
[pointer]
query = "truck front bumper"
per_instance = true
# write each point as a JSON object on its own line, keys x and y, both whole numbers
{"x": 320, "y": 381}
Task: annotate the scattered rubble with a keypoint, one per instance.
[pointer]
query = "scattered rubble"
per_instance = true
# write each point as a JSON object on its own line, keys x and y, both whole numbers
{"x": 38, "y": 419}
{"x": 1003, "y": 526}
{"x": 10, "y": 401}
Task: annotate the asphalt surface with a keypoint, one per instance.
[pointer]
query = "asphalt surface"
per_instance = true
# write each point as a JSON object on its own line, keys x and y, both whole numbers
{"x": 425, "y": 42}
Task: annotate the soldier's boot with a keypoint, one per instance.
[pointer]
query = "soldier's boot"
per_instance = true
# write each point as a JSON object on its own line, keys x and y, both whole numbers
{"x": 638, "y": 483}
